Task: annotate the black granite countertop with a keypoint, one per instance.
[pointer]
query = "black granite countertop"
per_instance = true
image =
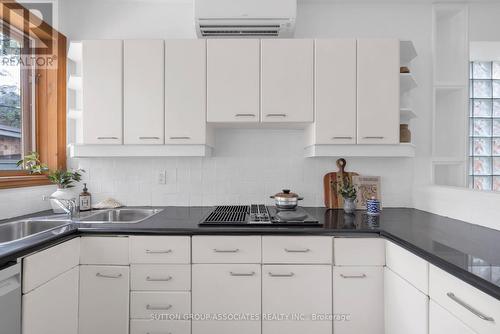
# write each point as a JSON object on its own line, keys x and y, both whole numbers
{"x": 470, "y": 252}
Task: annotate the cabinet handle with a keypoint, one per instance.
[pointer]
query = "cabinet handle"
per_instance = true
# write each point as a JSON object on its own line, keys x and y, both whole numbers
{"x": 149, "y": 251}
{"x": 108, "y": 276}
{"x": 144, "y": 138}
{"x": 107, "y": 137}
{"x": 276, "y": 115}
{"x": 305, "y": 250}
{"x": 353, "y": 276}
{"x": 158, "y": 308}
{"x": 341, "y": 137}
{"x": 477, "y": 313}
{"x": 374, "y": 137}
{"x": 245, "y": 115}
{"x": 242, "y": 274}
{"x": 160, "y": 279}
{"x": 179, "y": 138}
{"x": 281, "y": 275}
{"x": 235, "y": 250}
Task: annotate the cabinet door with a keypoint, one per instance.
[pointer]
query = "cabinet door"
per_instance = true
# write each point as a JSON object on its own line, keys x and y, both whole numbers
{"x": 441, "y": 321}
{"x": 102, "y": 71}
{"x": 185, "y": 91}
{"x": 104, "y": 299}
{"x": 350, "y": 286}
{"x": 143, "y": 87}
{"x": 299, "y": 291}
{"x": 405, "y": 306}
{"x": 52, "y": 308}
{"x": 226, "y": 289}
{"x": 287, "y": 80}
{"x": 378, "y": 91}
{"x": 335, "y": 91}
{"x": 233, "y": 67}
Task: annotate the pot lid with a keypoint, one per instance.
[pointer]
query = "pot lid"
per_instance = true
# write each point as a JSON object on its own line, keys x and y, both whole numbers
{"x": 286, "y": 194}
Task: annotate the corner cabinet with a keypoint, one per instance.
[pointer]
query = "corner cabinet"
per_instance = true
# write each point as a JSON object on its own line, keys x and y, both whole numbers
{"x": 102, "y": 69}
{"x": 287, "y": 80}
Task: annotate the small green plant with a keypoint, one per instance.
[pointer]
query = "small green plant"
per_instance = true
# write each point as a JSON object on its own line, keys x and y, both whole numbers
{"x": 346, "y": 189}
{"x": 32, "y": 164}
{"x": 65, "y": 178}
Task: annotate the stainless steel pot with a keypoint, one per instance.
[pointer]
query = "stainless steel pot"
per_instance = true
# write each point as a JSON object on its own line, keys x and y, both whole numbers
{"x": 286, "y": 200}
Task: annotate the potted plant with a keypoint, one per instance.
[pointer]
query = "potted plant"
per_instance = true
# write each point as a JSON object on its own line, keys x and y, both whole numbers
{"x": 348, "y": 191}
{"x": 31, "y": 163}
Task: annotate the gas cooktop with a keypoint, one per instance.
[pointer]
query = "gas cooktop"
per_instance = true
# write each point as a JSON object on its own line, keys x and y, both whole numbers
{"x": 258, "y": 214}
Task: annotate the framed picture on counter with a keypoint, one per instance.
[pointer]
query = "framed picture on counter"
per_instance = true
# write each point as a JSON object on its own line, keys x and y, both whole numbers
{"x": 366, "y": 188}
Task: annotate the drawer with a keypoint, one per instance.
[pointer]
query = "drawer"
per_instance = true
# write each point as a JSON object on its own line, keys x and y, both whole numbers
{"x": 297, "y": 250}
{"x": 159, "y": 326}
{"x": 359, "y": 251}
{"x": 412, "y": 268}
{"x": 227, "y": 327}
{"x": 475, "y": 308}
{"x": 158, "y": 277}
{"x": 160, "y": 305}
{"x": 226, "y": 249}
{"x": 104, "y": 250}
{"x": 43, "y": 266}
{"x": 145, "y": 249}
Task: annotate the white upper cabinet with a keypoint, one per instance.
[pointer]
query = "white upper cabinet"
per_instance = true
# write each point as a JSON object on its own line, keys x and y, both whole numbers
{"x": 143, "y": 89}
{"x": 378, "y": 91}
{"x": 233, "y": 67}
{"x": 287, "y": 80}
{"x": 185, "y": 91}
{"x": 102, "y": 86}
{"x": 335, "y": 92}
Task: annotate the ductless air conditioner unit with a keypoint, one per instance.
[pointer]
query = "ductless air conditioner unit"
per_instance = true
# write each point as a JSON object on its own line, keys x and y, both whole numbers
{"x": 245, "y": 18}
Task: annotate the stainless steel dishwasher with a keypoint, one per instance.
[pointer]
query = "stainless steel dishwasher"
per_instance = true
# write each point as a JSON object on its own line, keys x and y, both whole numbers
{"x": 10, "y": 299}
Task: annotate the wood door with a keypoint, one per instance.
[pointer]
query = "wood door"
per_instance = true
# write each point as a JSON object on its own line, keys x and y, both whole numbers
{"x": 287, "y": 73}
{"x": 143, "y": 91}
{"x": 185, "y": 91}
{"x": 378, "y": 91}
{"x": 102, "y": 70}
{"x": 233, "y": 67}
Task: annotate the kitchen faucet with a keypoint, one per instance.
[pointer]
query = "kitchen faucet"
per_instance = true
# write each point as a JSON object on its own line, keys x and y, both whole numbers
{"x": 69, "y": 206}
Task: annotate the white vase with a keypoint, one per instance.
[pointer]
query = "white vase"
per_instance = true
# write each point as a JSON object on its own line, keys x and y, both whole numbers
{"x": 64, "y": 194}
{"x": 349, "y": 205}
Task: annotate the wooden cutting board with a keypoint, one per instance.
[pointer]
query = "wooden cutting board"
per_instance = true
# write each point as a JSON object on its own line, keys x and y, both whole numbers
{"x": 332, "y": 182}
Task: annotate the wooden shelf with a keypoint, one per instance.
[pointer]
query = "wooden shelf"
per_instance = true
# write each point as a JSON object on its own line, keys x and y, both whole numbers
{"x": 408, "y": 52}
{"x": 407, "y": 82}
{"x": 376, "y": 151}
{"x": 407, "y": 113}
{"x": 111, "y": 151}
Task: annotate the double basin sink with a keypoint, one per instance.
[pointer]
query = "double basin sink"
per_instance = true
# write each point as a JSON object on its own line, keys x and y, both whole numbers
{"x": 29, "y": 229}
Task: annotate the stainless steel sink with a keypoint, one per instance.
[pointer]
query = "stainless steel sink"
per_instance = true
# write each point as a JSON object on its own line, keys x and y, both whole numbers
{"x": 22, "y": 229}
{"x": 128, "y": 216}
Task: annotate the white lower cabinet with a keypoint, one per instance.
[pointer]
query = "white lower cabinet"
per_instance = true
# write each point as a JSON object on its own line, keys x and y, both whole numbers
{"x": 159, "y": 327}
{"x": 443, "y": 322}
{"x": 226, "y": 290}
{"x": 52, "y": 308}
{"x": 298, "y": 295}
{"x": 406, "y": 307}
{"x": 104, "y": 300}
{"x": 358, "y": 300}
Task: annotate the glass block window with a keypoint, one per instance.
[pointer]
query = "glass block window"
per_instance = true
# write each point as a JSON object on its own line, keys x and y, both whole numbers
{"x": 484, "y": 137}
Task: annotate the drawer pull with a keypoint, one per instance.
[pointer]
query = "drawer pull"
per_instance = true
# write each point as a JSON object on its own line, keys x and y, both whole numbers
{"x": 235, "y": 250}
{"x": 374, "y": 137}
{"x": 166, "y": 251}
{"x": 304, "y": 250}
{"x": 281, "y": 275}
{"x": 108, "y": 276}
{"x": 180, "y": 138}
{"x": 158, "y": 279}
{"x": 477, "y": 313}
{"x": 242, "y": 274}
{"x": 244, "y": 115}
{"x": 158, "y": 308}
{"x": 276, "y": 115}
{"x": 341, "y": 137}
{"x": 107, "y": 137}
{"x": 146, "y": 138}
{"x": 353, "y": 276}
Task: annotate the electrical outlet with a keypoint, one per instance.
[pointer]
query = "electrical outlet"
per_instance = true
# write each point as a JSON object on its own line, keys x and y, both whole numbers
{"x": 162, "y": 177}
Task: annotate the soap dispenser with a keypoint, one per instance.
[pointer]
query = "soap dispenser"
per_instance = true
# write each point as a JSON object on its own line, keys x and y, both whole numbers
{"x": 85, "y": 199}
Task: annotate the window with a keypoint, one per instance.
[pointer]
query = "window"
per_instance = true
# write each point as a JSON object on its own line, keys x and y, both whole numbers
{"x": 484, "y": 162}
{"x": 16, "y": 112}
